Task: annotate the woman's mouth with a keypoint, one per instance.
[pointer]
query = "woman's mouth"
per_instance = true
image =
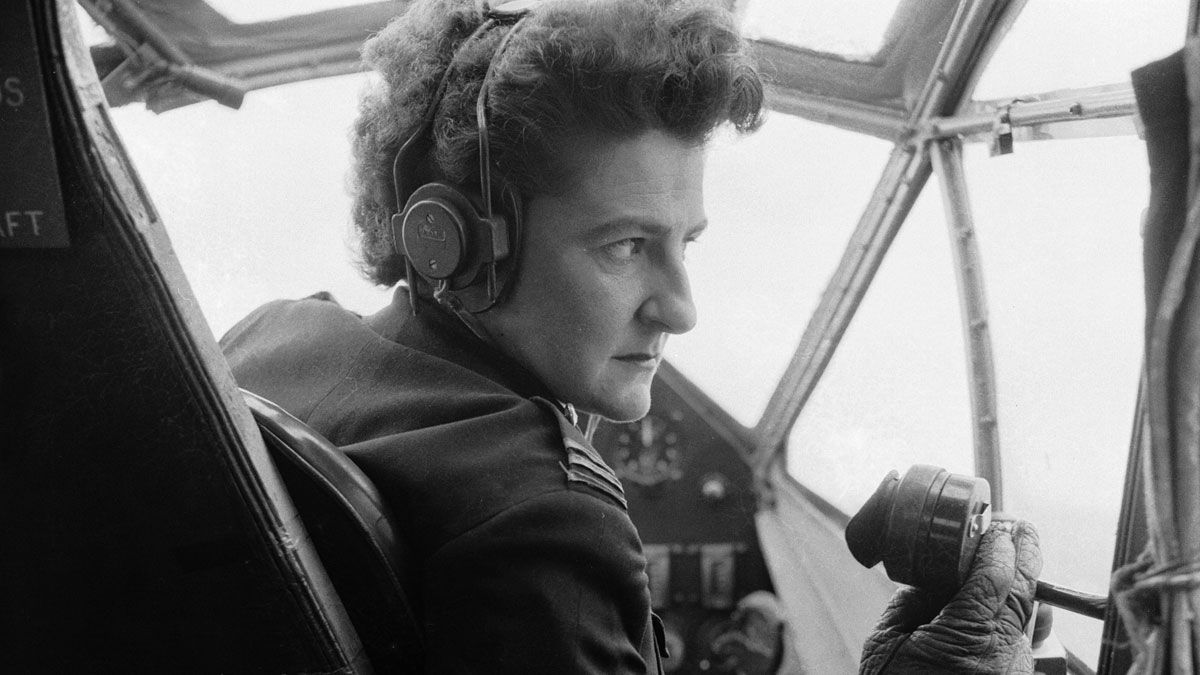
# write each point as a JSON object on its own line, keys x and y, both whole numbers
{"x": 644, "y": 359}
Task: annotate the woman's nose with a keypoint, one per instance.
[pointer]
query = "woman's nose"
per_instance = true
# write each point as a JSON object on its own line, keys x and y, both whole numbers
{"x": 669, "y": 305}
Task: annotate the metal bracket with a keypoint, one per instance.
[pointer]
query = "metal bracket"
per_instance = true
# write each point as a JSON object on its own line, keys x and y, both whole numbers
{"x": 1002, "y": 132}
{"x": 154, "y": 63}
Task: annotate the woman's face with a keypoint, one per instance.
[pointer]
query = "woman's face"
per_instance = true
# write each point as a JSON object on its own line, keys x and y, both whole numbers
{"x": 601, "y": 280}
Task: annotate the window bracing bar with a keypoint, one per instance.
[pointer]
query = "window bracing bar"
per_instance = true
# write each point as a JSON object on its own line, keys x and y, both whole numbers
{"x": 977, "y": 338}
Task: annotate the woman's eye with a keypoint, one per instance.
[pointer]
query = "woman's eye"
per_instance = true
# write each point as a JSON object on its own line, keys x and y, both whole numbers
{"x": 625, "y": 249}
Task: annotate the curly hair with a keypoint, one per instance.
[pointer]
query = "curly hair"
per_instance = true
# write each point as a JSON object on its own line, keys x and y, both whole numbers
{"x": 615, "y": 68}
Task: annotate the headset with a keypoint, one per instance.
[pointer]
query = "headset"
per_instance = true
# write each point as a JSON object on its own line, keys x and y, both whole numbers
{"x": 448, "y": 237}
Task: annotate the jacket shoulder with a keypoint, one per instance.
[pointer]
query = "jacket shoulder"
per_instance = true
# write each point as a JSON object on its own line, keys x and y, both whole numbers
{"x": 294, "y": 352}
{"x": 583, "y": 464}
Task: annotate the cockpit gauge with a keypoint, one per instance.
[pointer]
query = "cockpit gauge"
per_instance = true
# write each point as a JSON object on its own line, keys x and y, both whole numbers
{"x": 648, "y": 450}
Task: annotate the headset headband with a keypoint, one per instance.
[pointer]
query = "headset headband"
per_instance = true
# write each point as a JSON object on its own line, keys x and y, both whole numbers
{"x": 407, "y": 178}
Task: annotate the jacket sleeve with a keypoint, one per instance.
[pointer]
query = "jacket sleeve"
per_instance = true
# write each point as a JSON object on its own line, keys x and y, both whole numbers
{"x": 553, "y": 584}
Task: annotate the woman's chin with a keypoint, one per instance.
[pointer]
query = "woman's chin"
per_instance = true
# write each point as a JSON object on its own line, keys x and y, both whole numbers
{"x": 627, "y": 408}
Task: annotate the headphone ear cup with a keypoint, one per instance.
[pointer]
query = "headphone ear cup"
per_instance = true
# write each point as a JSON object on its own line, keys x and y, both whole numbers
{"x": 433, "y": 234}
{"x": 449, "y": 241}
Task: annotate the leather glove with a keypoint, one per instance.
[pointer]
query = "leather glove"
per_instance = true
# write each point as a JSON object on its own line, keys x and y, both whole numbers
{"x": 979, "y": 629}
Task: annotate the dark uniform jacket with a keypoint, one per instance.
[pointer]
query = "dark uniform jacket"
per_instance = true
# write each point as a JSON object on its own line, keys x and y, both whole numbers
{"x": 528, "y": 560}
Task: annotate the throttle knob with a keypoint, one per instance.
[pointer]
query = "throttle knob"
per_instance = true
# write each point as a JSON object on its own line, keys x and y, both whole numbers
{"x": 924, "y": 527}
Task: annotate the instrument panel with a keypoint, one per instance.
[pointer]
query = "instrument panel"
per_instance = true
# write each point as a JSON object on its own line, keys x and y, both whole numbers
{"x": 692, "y": 498}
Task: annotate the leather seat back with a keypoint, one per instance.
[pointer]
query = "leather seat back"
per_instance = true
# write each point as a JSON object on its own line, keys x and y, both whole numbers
{"x": 353, "y": 532}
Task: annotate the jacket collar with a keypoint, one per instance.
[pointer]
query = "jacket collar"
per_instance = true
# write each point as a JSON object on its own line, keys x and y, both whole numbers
{"x": 437, "y": 332}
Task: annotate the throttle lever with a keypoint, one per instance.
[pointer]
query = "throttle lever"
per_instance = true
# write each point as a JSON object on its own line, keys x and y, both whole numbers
{"x": 925, "y": 528}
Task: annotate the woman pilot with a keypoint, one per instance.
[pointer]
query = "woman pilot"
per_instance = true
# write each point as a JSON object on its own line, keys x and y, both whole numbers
{"x": 529, "y": 178}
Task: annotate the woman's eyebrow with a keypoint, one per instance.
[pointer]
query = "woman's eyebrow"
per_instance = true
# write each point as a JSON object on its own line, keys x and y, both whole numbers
{"x": 649, "y": 226}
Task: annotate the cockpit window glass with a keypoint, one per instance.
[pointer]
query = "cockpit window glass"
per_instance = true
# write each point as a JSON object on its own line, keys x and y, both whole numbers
{"x": 852, "y": 29}
{"x": 1061, "y": 44}
{"x": 240, "y": 11}
{"x": 895, "y": 393}
{"x": 254, "y": 200}
{"x": 781, "y": 205}
{"x": 1058, "y": 228}
{"x": 1057, "y": 225}
{"x": 93, "y": 34}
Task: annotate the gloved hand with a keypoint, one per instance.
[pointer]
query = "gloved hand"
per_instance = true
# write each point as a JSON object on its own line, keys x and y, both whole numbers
{"x": 979, "y": 629}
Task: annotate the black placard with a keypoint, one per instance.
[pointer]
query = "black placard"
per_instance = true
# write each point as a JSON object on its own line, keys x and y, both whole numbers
{"x": 31, "y": 204}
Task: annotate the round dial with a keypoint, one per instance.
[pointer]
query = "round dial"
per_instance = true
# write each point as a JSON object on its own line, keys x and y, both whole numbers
{"x": 648, "y": 451}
